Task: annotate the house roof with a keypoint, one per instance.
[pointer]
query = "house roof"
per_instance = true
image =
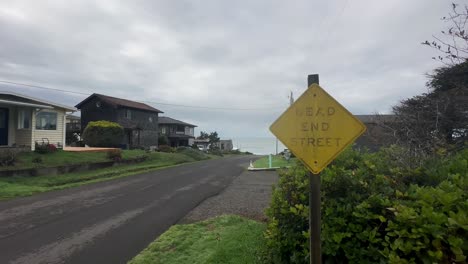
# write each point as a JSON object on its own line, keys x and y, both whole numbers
{"x": 21, "y": 99}
{"x": 73, "y": 117}
{"x": 171, "y": 121}
{"x": 120, "y": 102}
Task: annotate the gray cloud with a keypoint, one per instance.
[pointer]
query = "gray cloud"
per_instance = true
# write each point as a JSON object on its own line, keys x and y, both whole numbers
{"x": 236, "y": 54}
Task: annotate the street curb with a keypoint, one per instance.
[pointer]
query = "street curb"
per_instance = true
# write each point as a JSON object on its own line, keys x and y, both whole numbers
{"x": 264, "y": 169}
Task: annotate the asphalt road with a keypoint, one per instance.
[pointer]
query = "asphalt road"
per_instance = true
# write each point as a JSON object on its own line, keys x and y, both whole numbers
{"x": 108, "y": 222}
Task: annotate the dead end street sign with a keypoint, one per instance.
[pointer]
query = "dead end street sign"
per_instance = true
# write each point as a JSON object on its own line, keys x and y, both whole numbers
{"x": 316, "y": 128}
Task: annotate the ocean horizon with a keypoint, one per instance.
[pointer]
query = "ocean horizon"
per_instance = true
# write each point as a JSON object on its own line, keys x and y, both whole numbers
{"x": 258, "y": 145}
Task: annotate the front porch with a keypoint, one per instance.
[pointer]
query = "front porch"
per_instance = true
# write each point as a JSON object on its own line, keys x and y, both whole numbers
{"x": 88, "y": 149}
{"x": 25, "y": 121}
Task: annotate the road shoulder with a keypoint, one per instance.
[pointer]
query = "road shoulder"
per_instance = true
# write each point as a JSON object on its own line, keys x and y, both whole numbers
{"x": 248, "y": 196}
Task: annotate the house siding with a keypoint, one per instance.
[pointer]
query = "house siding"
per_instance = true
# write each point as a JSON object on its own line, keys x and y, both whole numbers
{"x": 139, "y": 131}
{"x": 90, "y": 112}
{"x": 143, "y": 132}
{"x": 54, "y": 136}
{"x": 174, "y": 136}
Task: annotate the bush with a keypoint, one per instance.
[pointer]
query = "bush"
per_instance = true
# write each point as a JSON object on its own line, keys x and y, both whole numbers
{"x": 114, "y": 154}
{"x": 45, "y": 148}
{"x": 215, "y": 151}
{"x": 165, "y": 148}
{"x": 8, "y": 157}
{"x": 234, "y": 152}
{"x": 194, "y": 154}
{"x": 375, "y": 212}
{"x": 163, "y": 140}
{"x": 103, "y": 134}
{"x": 41, "y": 148}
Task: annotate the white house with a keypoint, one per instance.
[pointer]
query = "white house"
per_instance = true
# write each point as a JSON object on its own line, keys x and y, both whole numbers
{"x": 25, "y": 120}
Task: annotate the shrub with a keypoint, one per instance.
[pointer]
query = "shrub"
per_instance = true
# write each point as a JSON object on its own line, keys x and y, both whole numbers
{"x": 165, "y": 148}
{"x": 41, "y": 148}
{"x": 114, "y": 154}
{"x": 8, "y": 157}
{"x": 45, "y": 148}
{"x": 194, "y": 154}
{"x": 215, "y": 151}
{"x": 288, "y": 213}
{"x": 103, "y": 134}
{"x": 375, "y": 212}
{"x": 51, "y": 148}
{"x": 163, "y": 140}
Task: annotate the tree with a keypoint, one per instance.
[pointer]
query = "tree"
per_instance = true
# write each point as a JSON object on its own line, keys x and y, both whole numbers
{"x": 439, "y": 119}
{"x": 203, "y": 135}
{"x": 214, "y": 139}
{"x": 454, "y": 40}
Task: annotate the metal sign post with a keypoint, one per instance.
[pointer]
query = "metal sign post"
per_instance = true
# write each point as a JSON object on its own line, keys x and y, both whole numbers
{"x": 315, "y": 202}
{"x": 316, "y": 128}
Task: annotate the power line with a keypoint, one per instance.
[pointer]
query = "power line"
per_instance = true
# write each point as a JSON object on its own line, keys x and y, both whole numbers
{"x": 43, "y": 87}
{"x": 150, "y": 102}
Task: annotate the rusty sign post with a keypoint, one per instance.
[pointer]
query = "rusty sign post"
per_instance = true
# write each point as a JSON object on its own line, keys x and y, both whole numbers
{"x": 316, "y": 128}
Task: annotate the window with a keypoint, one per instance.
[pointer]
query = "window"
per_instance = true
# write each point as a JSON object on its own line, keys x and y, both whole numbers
{"x": 163, "y": 130}
{"x": 150, "y": 119}
{"x": 128, "y": 114}
{"x": 24, "y": 119}
{"x": 46, "y": 121}
{"x": 181, "y": 129}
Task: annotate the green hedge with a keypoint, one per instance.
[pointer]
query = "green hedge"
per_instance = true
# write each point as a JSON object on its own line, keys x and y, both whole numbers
{"x": 375, "y": 211}
{"x": 103, "y": 134}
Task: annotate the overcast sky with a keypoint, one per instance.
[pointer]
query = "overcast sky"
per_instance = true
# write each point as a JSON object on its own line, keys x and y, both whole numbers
{"x": 244, "y": 55}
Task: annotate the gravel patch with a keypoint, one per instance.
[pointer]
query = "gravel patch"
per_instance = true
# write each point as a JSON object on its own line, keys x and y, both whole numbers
{"x": 248, "y": 196}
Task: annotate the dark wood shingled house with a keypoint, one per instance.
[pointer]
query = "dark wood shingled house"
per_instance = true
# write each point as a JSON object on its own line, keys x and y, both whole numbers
{"x": 177, "y": 132}
{"x": 139, "y": 120}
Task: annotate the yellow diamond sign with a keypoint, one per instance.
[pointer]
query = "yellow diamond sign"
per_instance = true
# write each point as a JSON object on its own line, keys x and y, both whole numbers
{"x": 316, "y": 128}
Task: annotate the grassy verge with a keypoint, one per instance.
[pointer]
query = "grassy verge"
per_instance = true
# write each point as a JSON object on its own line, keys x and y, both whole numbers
{"x": 224, "y": 239}
{"x": 60, "y": 158}
{"x": 277, "y": 161}
{"x": 11, "y": 187}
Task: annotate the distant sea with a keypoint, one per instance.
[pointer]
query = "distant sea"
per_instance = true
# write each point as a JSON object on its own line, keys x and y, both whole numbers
{"x": 259, "y": 146}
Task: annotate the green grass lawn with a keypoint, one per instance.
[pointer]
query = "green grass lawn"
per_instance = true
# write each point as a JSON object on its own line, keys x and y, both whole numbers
{"x": 60, "y": 157}
{"x": 11, "y": 187}
{"x": 277, "y": 161}
{"x": 224, "y": 239}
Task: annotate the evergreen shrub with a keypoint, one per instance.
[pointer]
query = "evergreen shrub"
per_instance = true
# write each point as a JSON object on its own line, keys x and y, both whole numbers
{"x": 103, "y": 134}
{"x": 374, "y": 210}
